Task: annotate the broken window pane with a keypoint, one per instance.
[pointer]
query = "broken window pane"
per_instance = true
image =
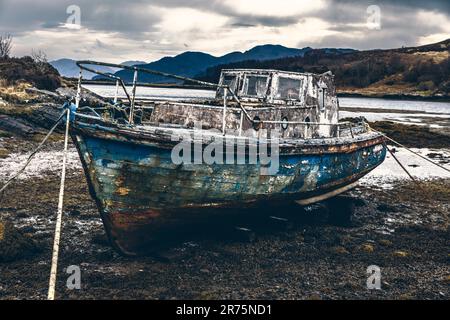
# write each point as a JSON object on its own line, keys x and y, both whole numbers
{"x": 289, "y": 88}
{"x": 257, "y": 86}
{"x": 230, "y": 81}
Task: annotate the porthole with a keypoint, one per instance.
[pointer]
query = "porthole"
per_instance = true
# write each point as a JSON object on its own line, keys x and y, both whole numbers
{"x": 285, "y": 123}
{"x": 307, "y": 120}
{"x": 257, "y": 124}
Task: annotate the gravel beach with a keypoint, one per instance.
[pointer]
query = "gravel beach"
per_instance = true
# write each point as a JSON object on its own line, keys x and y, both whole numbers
{"x": 317, "y": 252}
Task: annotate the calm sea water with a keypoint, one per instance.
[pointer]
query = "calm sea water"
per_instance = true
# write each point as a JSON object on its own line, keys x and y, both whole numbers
{"x": 435, "y": 114}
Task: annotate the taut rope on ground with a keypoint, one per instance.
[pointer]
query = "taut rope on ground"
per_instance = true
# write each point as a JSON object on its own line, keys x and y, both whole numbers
{"x": 406, "y": 148}
{"x": 54, "y": 269}
{"x": 31, "y": 156}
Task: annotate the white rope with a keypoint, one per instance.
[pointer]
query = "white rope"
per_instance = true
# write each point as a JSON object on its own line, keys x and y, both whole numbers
{"x": 54, "y": 269}
{"x": 31, "y": 156}
{"x": 406, "y": 148}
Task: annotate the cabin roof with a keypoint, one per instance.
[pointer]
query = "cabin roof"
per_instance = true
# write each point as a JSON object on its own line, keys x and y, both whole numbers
{"x": 267, "y": 71}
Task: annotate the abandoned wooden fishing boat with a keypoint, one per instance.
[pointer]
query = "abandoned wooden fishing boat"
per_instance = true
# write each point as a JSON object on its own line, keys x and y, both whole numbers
{"x": 267, "y": 135}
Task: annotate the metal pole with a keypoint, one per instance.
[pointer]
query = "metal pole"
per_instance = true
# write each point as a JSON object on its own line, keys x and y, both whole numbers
{"x": 117, "y": 92}
{"x": 78, "y": 97}
{"x": 241, "y": 123}
{"x": 54, "y": 268}
{"x": 225, "y": 94}
{"x": 133, "y": 97}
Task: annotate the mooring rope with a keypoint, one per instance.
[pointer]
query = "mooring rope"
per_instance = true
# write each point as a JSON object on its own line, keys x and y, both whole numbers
{"x": 400, "y": 164}
{"x": 406, "y": 148}
{"x": 54, "y": 269}
{"x": 31, "y": 156}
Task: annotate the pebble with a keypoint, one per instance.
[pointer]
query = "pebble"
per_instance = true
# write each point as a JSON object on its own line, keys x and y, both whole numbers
{"x": 340, "y": 250}
{"x": 385, "y": 243}
{"x": 401, "y": 254}
{"x": 368, "y": 248}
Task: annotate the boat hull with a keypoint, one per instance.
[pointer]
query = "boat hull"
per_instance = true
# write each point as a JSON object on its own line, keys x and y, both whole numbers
{"x": 141, "y": 194}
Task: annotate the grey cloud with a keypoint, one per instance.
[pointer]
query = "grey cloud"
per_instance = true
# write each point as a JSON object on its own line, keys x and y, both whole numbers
{"x": 134, "y": 20}
{"x": 252, "y": 21}
{"x": 399, "y": 25}
{"x": 111, "y": 16}
{"x": 433, "y": 5}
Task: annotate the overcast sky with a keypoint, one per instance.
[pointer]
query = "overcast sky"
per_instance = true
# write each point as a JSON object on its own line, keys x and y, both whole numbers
{"x": 116, "y": 31}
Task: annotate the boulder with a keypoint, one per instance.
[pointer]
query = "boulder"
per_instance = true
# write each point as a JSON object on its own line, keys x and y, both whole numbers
{"x": 14, "y": 244}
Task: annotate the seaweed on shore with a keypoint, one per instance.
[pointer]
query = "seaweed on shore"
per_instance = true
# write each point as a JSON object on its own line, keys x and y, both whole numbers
{"x": 413, "y": 135}
{"x": 14, "y": 244}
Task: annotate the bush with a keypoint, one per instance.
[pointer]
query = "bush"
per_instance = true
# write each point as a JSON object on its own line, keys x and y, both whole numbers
{"x": 39, "y": 74}
{"x": 426, "y": 86}
{"x": 445, "y": 87}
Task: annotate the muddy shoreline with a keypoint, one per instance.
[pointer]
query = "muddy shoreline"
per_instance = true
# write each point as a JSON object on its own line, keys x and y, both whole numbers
{"x": 395, "y": 96}
{"x": 317, "y": 252}
{"x": 322, "y": 252}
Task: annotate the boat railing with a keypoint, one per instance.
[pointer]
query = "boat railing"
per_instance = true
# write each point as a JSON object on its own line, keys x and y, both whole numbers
{"x": 228, "y": 93}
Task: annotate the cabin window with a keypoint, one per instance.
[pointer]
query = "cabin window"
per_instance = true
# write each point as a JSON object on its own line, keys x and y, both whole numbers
{"x": 256, "y": 86}
{"x": 230, "y": 81}
{"x": 322, "y": 99}
{"x": 289, "y": 89}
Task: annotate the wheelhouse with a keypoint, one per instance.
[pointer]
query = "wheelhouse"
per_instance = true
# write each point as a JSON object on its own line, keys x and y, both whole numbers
{"x": 293, "y": 97}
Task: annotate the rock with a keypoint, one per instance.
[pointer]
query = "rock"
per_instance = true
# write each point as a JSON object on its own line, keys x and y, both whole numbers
{"x": 14, "y": 244}
{"x": 386, "y": 208}
{"x": 100, "y": 239}
{"x": 314, "y": 296}
{"x": 207, "y": 295}
{"x": 3, "y": 153}
{"x": 28, "y": 230}
{"x": 406, "y": 296}
{"x": 74, "y": 213}
{"x": 47, "y": 93}
{"x": 340, "y": 250}
{"x": 18, "y": 126}
{"x": 87, "y": 98}
{"x": 401, "y": 254}
{"x": 385, "y": 243}
{"x": 368, "y": 248}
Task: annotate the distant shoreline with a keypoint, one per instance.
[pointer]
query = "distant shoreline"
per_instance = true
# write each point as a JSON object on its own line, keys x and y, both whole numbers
{"x": 399, "y": 96}
{"x": 406, "y": 97}
{"x": 154, "y": 85}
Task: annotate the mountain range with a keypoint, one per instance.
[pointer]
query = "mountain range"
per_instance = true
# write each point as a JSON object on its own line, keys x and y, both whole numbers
{"x": 422, "y": 71}
{"x": 68, "y": 68}
{"x": 187, "y": 64}
{"x": 190, "y": 64}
